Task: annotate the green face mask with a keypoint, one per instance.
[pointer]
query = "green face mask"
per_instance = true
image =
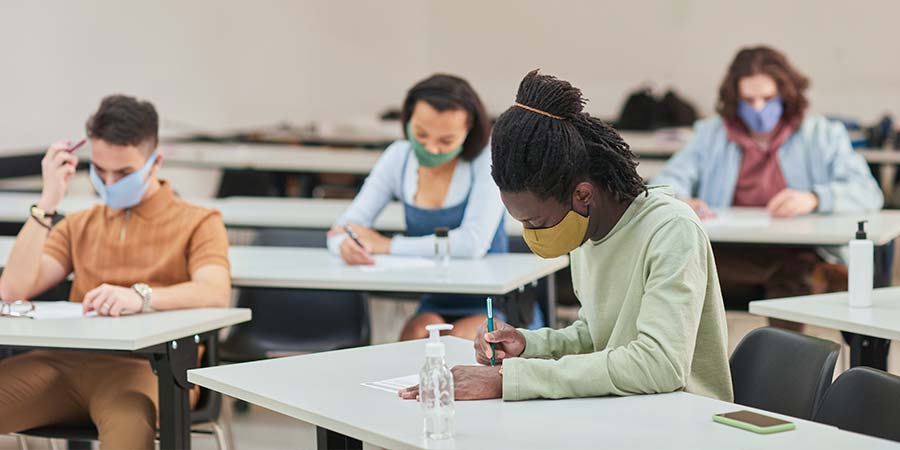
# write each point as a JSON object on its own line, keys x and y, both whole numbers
{"x": 426, "y": 158}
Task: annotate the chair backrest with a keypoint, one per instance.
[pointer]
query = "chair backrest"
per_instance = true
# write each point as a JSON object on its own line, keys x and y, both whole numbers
{"x": 863, "y": 400}
{"x": 296, "y": 320}
{"x": 782, "y": 371}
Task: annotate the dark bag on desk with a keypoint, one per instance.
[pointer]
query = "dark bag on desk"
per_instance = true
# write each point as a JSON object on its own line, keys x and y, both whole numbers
{"x": 643, "y": 111}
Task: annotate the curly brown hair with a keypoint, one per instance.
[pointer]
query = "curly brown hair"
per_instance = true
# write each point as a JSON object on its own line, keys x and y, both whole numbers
{"x": 750, "y": 61}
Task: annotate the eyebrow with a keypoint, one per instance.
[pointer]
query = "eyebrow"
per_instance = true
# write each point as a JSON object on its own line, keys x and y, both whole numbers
{"x": 98, "y": 167}
{"x": 417, "y": 128}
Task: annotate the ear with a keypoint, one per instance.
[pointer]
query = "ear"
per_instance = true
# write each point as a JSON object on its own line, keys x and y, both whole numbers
{"x": 154, "y": 169}
{"x": 582, "y": 196}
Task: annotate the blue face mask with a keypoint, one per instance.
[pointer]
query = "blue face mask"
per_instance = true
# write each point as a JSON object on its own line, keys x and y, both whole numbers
{"x": 126, "y": 192}
{"x": 764, "y": 120}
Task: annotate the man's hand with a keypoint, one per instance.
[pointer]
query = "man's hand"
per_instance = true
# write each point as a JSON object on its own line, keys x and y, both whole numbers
{"x": 57, "y": 170}
{"x": 469, "y": 383}
{"x": 508, "y": 342}
{"x": 109, "y": 300}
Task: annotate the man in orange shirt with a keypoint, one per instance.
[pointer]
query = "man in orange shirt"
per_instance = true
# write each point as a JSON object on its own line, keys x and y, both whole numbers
{"x": 143, "y": 250}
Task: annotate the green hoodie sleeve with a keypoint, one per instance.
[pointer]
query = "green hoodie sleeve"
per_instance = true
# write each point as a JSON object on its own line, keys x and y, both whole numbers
{"x": 550, "y": 343}
{"x": 657, "y": 361}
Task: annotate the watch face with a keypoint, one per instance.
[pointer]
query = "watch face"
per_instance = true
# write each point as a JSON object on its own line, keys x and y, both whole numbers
{"x": 142, "y": 289}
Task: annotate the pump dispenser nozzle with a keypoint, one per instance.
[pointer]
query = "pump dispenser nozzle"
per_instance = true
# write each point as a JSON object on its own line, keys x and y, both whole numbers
{"x": 434, "y": 347}
{"x": 861, "y": 229}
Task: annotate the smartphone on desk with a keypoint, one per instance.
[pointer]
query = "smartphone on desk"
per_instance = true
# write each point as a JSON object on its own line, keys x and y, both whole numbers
{"x": 751, "y": 421}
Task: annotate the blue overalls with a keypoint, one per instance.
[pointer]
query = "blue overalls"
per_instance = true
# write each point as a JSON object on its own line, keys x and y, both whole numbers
{"x": 422, "y": 222}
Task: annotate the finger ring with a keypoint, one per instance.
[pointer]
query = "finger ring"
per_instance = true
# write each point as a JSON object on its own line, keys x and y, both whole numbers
{"x": 105, "y": 305}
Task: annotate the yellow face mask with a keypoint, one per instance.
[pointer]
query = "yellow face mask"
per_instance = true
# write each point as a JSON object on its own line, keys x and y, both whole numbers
{"x": 559, "y": 239}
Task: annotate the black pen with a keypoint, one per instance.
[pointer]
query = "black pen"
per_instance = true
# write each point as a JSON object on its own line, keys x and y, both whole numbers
{"x": 353, "y": 236}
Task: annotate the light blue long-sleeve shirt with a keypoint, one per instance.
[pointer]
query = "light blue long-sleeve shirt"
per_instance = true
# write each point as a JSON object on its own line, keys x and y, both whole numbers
{"x": 471, "y": 239}
{"x": 817, "y": 158}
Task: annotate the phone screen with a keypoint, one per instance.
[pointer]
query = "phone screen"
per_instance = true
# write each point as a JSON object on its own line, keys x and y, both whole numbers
{"x": 754, "y": 419}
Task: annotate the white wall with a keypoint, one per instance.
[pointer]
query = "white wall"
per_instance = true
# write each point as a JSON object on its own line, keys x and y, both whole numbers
{"x": 210, "y": 63}
{"x": 221, "y": 64}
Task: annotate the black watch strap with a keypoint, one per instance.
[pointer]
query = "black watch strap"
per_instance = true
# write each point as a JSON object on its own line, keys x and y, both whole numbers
{"x": 54, "y": 216}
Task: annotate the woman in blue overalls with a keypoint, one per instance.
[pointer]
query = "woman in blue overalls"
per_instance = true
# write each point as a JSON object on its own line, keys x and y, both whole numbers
{"x": 442, "y": 175}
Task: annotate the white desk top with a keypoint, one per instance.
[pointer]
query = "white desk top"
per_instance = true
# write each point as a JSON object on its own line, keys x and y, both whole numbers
{"x": 831, "y": 311}
{"x": 753, "y": 226}
{"x": 293, "y": 158}
{"x": 254, "y": 212}
{"x": 324, "y": 389}
{"x": 880, "y": 156}
{"x": 735, "y": 225}
{"x": 313, "y": 268}
{"x": 303, "y": 213}
{"x": 118, "y": 333}
{"x": 657, "y": 144}
{"x": 273, "y": 157}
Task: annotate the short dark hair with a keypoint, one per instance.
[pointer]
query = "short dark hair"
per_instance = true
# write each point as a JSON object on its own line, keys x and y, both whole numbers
{"x": 548, "y": 156}
{"x": 447, "y": 92}
{"x": 750, "y": 61}
{"x": 124, "y": 120}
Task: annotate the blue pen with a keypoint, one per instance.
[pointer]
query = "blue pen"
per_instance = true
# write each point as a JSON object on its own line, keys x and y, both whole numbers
{"x": 490, "y": 314}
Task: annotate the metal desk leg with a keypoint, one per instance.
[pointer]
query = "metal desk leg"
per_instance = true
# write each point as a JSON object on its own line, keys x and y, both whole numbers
{"x": 551, "y": 301}
{"x": 329, "y": 440}
{"x": 868, "y": 350}
{"x": 171, "y": 365}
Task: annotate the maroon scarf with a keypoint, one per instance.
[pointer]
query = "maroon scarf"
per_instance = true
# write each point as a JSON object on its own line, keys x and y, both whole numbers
{"x": 760, "y": 177}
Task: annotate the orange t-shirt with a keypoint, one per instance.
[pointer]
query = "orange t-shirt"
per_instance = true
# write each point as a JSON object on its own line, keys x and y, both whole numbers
{"x": 161, "y": 242}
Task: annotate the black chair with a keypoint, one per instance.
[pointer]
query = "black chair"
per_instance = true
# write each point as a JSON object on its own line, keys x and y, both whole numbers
{"x": 205, "y": 414}
{"x": 295, "y": 321}
{"x": 863, "y": 400}
{"x": 782, "y": 371}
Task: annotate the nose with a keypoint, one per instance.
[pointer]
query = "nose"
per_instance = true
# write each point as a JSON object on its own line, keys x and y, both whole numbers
{"x": 432, "y": 148}
{"x": 758, "y": 104}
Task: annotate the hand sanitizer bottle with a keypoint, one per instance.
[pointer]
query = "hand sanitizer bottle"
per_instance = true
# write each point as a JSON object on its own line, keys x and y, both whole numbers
{"x": 442, "y": 250}
{"x": 859, "y": 280}
{"x": 436, "y": 387}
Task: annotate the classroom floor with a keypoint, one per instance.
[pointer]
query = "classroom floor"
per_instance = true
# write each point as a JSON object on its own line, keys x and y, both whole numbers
{"x": 264, "y": 429}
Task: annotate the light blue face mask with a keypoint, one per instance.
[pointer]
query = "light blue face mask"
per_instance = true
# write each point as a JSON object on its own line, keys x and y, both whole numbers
{"x": 764, "y": 120}
{"x": 126, "y": 192}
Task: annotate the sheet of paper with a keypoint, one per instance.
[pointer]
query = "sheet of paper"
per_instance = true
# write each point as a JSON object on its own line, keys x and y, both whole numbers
{"x": 391, "y": 262}
{"x": 57, "y": 310}
{"x": 733, "y": 221}
{"x": 394, "y": 385}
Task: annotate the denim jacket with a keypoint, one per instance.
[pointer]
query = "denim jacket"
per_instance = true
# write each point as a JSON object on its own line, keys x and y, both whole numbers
{"x": 817, "y": 158}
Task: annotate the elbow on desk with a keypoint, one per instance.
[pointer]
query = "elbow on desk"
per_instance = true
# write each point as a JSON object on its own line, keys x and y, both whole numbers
{"x": 658, "y": 373}
{"x": 9, "y": 293}
{"x": 222, "y": 297}
{"x": 471, "y": 252}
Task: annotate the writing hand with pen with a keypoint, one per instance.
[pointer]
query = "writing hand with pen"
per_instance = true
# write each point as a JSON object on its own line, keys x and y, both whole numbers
{"x": 483, "y": 382}
{"x": 361, "y": 243}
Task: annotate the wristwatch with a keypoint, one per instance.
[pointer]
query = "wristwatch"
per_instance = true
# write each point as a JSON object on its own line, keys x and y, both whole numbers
{"x": 40, "y": 214}
{"x": 145, "y": 292}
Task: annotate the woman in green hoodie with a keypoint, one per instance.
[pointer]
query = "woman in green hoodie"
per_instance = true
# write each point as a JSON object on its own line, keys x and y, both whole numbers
{"x": 651, "y": 318}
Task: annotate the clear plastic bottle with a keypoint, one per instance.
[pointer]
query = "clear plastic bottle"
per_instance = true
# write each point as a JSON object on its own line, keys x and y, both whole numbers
{"x": 861, "y": 268}
{"x": 436, "y": 387}
{"x": 442, "y": 249}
